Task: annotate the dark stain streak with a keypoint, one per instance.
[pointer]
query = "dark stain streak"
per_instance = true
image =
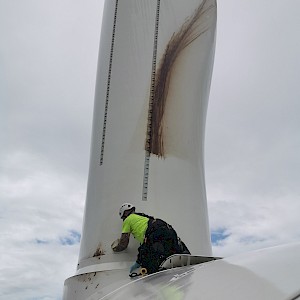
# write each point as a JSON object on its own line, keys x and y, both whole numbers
{"x": 192, "y": 28}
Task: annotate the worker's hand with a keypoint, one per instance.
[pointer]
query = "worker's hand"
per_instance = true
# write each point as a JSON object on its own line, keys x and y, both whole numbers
{"x": 134, "y": 266}
{"x": 115, "y": 244}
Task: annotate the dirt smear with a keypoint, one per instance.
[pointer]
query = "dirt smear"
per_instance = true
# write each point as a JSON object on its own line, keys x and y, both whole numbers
{"x": 99, "y": 251}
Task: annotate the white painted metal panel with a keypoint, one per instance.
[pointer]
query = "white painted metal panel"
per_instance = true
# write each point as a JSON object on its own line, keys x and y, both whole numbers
{"x": 176, "y": 190}
{"x": 269, "y": 274}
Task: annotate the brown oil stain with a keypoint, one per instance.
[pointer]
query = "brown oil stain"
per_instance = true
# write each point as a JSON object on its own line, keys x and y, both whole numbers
{"x": 192, "y": 29}
{"x": 99, "y": 251}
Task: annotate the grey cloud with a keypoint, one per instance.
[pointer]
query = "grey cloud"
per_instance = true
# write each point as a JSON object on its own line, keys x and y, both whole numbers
{"x": 48, "y": 57}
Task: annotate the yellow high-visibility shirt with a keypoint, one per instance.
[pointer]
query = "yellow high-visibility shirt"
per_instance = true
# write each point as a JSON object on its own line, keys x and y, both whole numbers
{"x": 137, "y": 225}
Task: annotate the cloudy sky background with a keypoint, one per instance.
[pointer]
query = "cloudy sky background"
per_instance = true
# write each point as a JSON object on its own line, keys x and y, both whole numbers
{"x": 48, "y": 58}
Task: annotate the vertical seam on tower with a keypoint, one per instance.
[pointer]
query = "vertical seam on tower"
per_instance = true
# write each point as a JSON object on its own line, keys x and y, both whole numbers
{"x": 151, "y": 99}
{"x": 108, "y": 82}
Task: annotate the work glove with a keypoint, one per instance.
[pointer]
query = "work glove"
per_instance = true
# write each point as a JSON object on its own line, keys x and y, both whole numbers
{"x": 134, "y": 266}
{"x": 115, "y": 244}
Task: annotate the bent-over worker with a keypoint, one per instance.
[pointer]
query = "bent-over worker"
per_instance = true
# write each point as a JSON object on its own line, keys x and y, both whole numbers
{"x": 158, "y": 239}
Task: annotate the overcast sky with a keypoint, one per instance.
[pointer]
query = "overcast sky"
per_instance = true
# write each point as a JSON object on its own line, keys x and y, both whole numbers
{"x": 48, "y": 58}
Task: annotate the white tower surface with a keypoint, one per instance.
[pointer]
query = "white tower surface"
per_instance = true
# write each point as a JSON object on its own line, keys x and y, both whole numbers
{"x": 153, "y": 81}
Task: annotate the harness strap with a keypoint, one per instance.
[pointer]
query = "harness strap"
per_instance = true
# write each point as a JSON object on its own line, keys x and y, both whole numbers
{"x": 154, "y": 224}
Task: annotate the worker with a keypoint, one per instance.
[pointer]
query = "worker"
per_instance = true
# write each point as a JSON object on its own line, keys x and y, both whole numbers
{"x": 157, "y": 238}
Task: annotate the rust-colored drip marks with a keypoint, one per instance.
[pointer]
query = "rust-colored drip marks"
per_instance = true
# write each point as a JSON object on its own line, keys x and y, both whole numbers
{"x": 99, "y": 251}
{"x": 192, "y": 28}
